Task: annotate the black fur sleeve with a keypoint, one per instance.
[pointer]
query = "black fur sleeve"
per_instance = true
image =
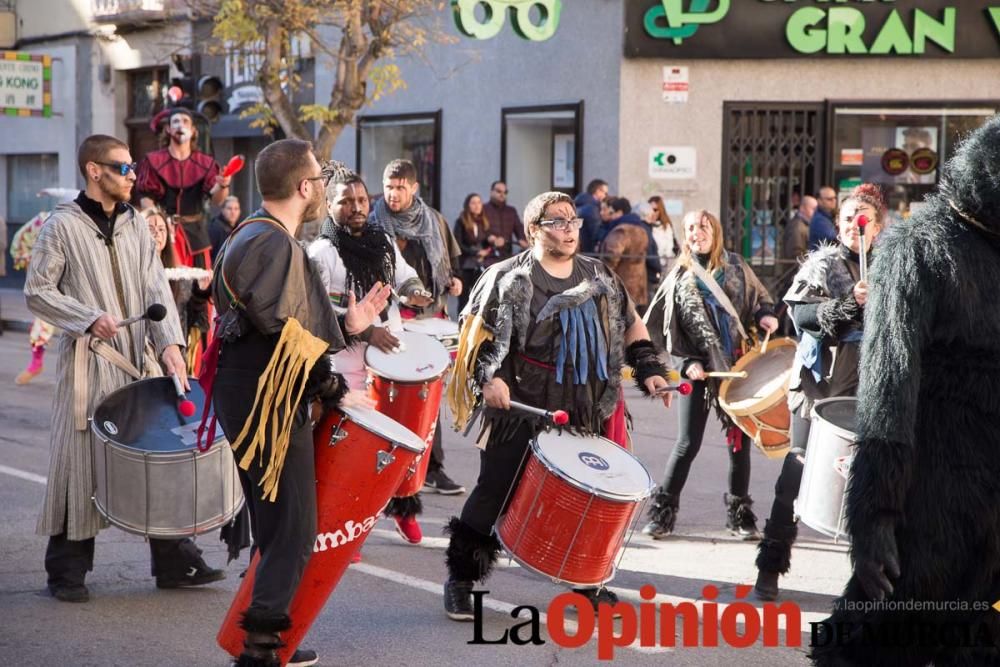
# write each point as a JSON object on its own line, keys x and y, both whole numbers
{"x": 349, "y": 339}
{"x": 324, "y": 384}
{"x": 643, "y": 357}
{"x": 834, "y": 314}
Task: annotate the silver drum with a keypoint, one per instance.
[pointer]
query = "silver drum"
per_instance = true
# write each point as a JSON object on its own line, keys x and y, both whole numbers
{"x": 823, "y": 492}
{"x": 150, "y": 478}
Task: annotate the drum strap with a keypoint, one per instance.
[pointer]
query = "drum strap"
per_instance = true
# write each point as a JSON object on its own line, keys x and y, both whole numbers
{"x": 720, "y": 296}
{"x": 81, "y": 389}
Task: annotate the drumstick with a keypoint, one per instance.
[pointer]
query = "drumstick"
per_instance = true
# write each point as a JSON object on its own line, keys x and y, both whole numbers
{"x": 738, "y": 375}
{"x": 863, "y": 257}
{"x": 684, "y": 388}
{"x": 557, "y": 417}
{"x": 184, "y": 405}
{"x": 763, "y": 347}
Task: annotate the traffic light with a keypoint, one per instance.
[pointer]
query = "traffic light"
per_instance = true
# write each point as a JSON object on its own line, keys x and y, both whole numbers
{"x": 210, "y": 101}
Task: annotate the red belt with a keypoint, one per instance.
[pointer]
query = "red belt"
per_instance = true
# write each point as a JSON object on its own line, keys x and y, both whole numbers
{"x": 536, "y": 362}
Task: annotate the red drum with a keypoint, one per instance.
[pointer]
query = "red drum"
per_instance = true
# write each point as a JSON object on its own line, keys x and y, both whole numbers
{"x": 407, "y": 386}
{"x": 573, "y": 507}
{"x": 361, "y": 457}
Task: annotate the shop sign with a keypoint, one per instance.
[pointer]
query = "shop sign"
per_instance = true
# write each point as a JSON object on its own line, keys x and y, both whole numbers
{"x": 673, "y": 162}
{"x": 675, "y": 85}
{"x": 811, "y": 28}
{"x": 25, "y": 84}
{"x": 494, "y": 14}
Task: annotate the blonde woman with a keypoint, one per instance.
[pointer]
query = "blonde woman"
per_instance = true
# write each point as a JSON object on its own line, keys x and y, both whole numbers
{"x": 689, "y": 320}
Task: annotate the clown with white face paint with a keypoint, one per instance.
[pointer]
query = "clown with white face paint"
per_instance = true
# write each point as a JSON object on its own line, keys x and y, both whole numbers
{"x": 178, "y": 179}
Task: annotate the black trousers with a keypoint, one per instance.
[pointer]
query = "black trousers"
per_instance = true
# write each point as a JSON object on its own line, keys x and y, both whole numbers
{"x": 437, "y": 449}
{"x": 469, "y": 277}
{"x": 284, "y": 530}
{"x": 67, "y": 562}
{"x": 500, "y": 467}
{"x": 692, "y": 416}
{"x": 786, "y": 489}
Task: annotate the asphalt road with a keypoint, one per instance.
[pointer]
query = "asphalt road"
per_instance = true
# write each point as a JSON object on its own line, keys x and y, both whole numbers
{"x": 388, "y": 609}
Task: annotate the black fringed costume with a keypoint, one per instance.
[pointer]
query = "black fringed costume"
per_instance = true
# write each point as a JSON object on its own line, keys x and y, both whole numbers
{"x": 924, "y": 489}
{"x": 558, "y": 344}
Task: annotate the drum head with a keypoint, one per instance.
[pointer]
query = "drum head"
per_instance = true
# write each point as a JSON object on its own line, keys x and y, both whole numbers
{"x": 841, "y": 411}
{"x": 432, "y": 326}
{"x": 143, "y": 416}
{"x": 421, "y": 358}
{"x": 388, "y": 428}
{"x": 594, "y": 464}
{"x": 766, "y": 375}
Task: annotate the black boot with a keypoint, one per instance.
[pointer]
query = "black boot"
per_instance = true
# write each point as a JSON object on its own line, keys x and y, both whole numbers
{"x": 774, "y": 557}
{"x": 662, "y": 515}
{"x": 260, "y": 648}
{"x": 740, "y": 519}
{"x": 470, "y": 557}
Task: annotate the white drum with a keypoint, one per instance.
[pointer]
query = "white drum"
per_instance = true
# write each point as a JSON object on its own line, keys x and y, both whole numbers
{"x": 823, "y": 492}
{"x": 421, "y": 358}
{"x": 444, "y": 330}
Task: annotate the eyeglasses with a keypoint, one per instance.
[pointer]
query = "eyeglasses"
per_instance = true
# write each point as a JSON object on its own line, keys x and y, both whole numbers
{"x": 314, "y": 178}
{"x": 562, "y": 225}
{"x": 123, "y": 168}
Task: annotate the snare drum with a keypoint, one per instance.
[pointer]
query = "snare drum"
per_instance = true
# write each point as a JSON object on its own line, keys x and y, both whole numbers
{"x": 823, "y": 492}
{"x": 572, "y": 507}
{"x": 407, "y": 387}
{"x": 758, "y": 403}
{"x": 445, "y": 330}
{"x": 361, "y": 457}
{"x": 150, "y": 478}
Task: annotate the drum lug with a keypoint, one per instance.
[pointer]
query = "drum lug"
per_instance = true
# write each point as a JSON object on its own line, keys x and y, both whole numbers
{"x": 383, "y": 459}
{"x": 338, "y": 433}
{"x": 424, "y": 392}
{"x": 392, "y": 392}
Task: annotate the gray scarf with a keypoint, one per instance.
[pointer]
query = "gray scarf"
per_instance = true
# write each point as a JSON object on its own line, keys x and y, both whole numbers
{"x": 419, "y": 223}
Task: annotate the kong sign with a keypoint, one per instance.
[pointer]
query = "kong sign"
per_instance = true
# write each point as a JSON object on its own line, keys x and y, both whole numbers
{"x": 25, "y": 84}
{"x": 812, "y": 28}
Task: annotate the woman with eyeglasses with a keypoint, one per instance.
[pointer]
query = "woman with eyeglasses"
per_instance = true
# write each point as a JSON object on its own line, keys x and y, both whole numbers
{"x": 692, "y": 318}
{"x": 550, "y": 328}
{"x": 471, "y": 231}
{"x": 827, "y": 301}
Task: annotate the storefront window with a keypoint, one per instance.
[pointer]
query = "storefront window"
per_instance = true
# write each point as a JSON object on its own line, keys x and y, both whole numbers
{"x": 26, "y": 175}
{"x": 541, "y": 148}
{"x": 902, "y": 148}
{"x": 413, "y": 137}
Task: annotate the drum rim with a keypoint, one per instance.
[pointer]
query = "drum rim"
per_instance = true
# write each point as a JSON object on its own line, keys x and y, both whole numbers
{"x": 636, "y": 497}
{"x": 838, "y": 430}
{"x": 381, "y": 374}
{"x": 352, "y": 414}
{"x": 531, "y": 568}
{"x": 455, "y": 333}
{"x": 200, "y": 529}
{"x": 767, "y": 402}
{"x": 193, "y": 450}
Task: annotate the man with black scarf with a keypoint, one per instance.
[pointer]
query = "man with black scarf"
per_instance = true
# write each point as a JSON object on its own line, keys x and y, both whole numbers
{"x": 353, "y": 255}
{"x": 427, "y": 244}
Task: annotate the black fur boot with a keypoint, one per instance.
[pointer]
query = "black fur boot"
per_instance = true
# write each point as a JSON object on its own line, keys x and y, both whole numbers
{"x": 405, "y": 508}
{"x": 740, "y": 519}
{"x": 260, "y": 648}
{"x": 470, "y": 555}
{"x": 774, "y": 557}
{"x": 662, "y": 515}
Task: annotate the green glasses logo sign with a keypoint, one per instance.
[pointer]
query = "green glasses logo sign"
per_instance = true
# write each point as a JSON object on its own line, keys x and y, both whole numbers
{"x": 681, "y": 24}
{"x": 495, "y": 12}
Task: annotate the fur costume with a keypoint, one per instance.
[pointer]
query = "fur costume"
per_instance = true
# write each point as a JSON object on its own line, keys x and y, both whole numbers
{"x": 924, "y": 491}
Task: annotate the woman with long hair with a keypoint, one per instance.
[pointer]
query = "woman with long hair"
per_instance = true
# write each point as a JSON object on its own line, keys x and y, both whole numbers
{"x": 471, "y": 232}
{"x": 826, "y": 301}
{"x": 189, "y": 286}
{"x": 663, "y": 233}
{"x": 690, "y": 319}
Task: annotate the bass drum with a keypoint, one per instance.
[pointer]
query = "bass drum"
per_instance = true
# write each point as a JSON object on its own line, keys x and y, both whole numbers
{"x": 150, "y": 478}
{"x": 823, "y": 492}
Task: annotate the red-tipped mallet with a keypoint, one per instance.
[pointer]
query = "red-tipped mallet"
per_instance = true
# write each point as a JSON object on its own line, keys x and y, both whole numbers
{"x": 557, "y": 417}
{"x": 185, "y": 406}
{"x": 862, "y": 222}
{"x": 684, "y": 388}
{"x": 233, "y": 166}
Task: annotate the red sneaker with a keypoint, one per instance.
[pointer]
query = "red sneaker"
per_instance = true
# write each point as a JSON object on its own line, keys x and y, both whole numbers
{"x": 356, "y": 556}
{"x": 409, "y": 529}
